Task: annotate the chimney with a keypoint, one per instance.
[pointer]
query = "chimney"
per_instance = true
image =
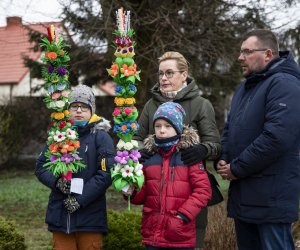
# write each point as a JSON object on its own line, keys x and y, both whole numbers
{"x": 13, "y": 21}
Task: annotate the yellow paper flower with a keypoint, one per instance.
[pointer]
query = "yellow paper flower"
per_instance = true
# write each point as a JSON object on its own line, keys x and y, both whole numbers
{"x": 119, "y": 101}
{"x": 61, "y": 52}
{"x": 59, "y": 116}
{"x": 130, "y": 101}
{"x": 66, "y": 112}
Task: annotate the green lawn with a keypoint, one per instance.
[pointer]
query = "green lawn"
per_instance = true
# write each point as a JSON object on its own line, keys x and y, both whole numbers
{"x": 23, "y": 199}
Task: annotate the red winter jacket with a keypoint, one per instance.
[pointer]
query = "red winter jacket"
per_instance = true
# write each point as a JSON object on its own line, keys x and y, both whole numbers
{"x": 172, "y": 188}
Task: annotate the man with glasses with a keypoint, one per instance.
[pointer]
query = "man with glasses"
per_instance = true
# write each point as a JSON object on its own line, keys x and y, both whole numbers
{"x": 174, "y": 84}
{"x": 260, "y": 146}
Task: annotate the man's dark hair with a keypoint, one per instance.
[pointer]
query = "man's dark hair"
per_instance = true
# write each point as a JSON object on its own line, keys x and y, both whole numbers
{"x": 266, "y": 39}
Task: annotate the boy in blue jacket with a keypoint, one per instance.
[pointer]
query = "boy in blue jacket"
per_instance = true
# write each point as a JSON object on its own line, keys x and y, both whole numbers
{"x": 78, "y": 221}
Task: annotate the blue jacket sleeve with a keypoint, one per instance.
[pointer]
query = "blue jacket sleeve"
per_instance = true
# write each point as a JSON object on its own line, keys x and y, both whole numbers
{"x": 280, "y": 129}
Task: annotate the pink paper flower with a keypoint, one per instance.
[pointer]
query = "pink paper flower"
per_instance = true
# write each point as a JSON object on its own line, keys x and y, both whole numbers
{"x": 127, "y": 111}
{"x": 55, "y": 95}
{"x": 117, "y": 111}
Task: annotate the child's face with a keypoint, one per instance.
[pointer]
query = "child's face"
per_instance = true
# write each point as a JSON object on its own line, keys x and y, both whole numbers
{"x": 80, "y": 114}
{"x": 163, "y": 129}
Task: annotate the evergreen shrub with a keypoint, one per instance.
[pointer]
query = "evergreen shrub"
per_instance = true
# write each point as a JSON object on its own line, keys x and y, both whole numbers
{"x": 123, "y": 231}
{"x": 10, "y": 238}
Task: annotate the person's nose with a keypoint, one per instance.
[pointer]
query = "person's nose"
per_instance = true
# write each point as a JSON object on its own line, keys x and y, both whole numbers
{"x": 164, "y": 77}
{"x": 162, "y": 130}
{"x": 79, "y": 110}
{"x": 241, "y": 57}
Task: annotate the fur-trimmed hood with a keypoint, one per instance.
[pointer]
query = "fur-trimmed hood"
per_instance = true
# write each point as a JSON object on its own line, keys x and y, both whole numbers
{"x": 189, "y": 137}
{"x": 100, "y": 123}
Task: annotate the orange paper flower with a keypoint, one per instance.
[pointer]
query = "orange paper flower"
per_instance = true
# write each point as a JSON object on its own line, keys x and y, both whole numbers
{"x": 114, "y": 69}
{"x": 51, "y": 55}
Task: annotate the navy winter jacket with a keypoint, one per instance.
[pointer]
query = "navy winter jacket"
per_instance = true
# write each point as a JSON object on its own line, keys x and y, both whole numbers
{"x": 261, "y": 141}
{"x": 95, "y": 145}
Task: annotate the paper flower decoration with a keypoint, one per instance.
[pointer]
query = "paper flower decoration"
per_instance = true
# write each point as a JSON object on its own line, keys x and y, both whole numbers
{"x": 127, "y": 169}
{"x": 62, "y": 156}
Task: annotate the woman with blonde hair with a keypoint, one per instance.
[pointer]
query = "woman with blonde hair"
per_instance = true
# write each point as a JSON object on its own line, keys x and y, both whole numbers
{"x": 175, "y": 84}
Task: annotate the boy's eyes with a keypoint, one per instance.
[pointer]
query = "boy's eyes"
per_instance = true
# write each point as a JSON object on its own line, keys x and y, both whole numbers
{"x": 159, "y": 126}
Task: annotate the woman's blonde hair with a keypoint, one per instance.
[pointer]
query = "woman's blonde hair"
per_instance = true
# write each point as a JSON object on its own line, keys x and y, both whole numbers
{"x": 182, "y": 63}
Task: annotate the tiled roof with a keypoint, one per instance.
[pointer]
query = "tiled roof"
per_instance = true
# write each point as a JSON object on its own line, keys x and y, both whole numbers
{"x": 14, "y": 44}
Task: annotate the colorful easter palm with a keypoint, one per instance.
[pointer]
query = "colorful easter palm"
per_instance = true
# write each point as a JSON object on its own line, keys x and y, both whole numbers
{"x": 127, "y": 169}
{"x": 62, "y": 156}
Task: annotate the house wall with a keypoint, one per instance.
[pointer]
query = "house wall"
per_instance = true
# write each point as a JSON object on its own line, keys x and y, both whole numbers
{"x": 23, "y": 90}
{"x": 20, "y": 90}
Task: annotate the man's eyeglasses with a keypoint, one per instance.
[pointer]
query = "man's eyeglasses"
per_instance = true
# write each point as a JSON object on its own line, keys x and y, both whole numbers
{"x": 247, "y": 52}
{"x": 83, "y": 107}
{"x": 169, "y": 73}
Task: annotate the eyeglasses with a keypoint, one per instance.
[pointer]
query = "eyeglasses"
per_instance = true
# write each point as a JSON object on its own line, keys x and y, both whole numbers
{"x": 247, "y": 52}
{"x": 169, "y": 73}
{"x": 83, "y": 107}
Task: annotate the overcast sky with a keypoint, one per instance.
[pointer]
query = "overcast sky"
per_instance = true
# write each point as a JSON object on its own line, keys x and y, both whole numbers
{"x": 33, "y": 11}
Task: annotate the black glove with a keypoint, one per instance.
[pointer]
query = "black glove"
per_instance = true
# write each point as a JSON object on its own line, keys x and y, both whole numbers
{"x": 145, "y": 155}
{"x": 63, "y": 185}
{"x": 183, "y": 217}
{"x": 71, "y": 204}
{"x": 194, "y": 154}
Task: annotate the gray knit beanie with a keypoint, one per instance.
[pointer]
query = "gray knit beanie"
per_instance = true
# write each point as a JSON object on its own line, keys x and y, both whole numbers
{"x": 84, "y": 94}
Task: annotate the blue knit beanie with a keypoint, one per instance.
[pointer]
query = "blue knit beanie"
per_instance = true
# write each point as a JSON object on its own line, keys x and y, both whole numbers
{"x": 84, "y": 94}
{"x": 173, "y": 113}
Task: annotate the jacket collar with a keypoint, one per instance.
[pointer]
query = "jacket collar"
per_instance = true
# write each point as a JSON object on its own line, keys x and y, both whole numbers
{"x": 189, "y": 137}
{"x": 190, "y": 91}
{"x": 95, "y": 123}
{"x": 285, "y": 63}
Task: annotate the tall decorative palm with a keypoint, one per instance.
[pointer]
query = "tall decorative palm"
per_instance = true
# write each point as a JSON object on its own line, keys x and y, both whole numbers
{"x": 62, "y": 156}
{"x": 127, "y": 169}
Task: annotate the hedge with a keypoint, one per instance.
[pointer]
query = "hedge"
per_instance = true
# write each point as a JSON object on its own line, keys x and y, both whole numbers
{"x": 124, "y": 231}
{"x": 10, "y": 239}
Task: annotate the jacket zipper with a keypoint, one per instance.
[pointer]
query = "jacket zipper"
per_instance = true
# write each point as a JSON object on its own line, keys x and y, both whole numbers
{"x": 68, "y": 223}
{"x": 161, "y": 183}
{"x": 172, "y": 173}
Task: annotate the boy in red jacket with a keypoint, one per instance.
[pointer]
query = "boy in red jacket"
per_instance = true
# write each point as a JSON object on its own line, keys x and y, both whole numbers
{"x": 173, "y": 194}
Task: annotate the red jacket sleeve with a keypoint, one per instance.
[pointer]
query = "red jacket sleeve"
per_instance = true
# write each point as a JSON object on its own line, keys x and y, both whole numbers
{"x": 140, "y": 196}
{"x": 201, "y": 192}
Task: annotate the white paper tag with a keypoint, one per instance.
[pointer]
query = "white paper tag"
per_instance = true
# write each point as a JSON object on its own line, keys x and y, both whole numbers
{"x": 125, "y": 188}
{"x": 76, "y": 185}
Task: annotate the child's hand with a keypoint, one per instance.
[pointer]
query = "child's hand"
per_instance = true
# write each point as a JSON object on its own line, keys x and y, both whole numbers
{"x": 71, "y": 204}
{"x": 63, "y": 185}
{"x": 129, "y": 191}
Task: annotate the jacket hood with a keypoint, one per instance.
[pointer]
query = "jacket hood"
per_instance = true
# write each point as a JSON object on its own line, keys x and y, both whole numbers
{"x": 189, "y": 137}
{"x": 189, "y": 92}
{"x": 285, "y": 63}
